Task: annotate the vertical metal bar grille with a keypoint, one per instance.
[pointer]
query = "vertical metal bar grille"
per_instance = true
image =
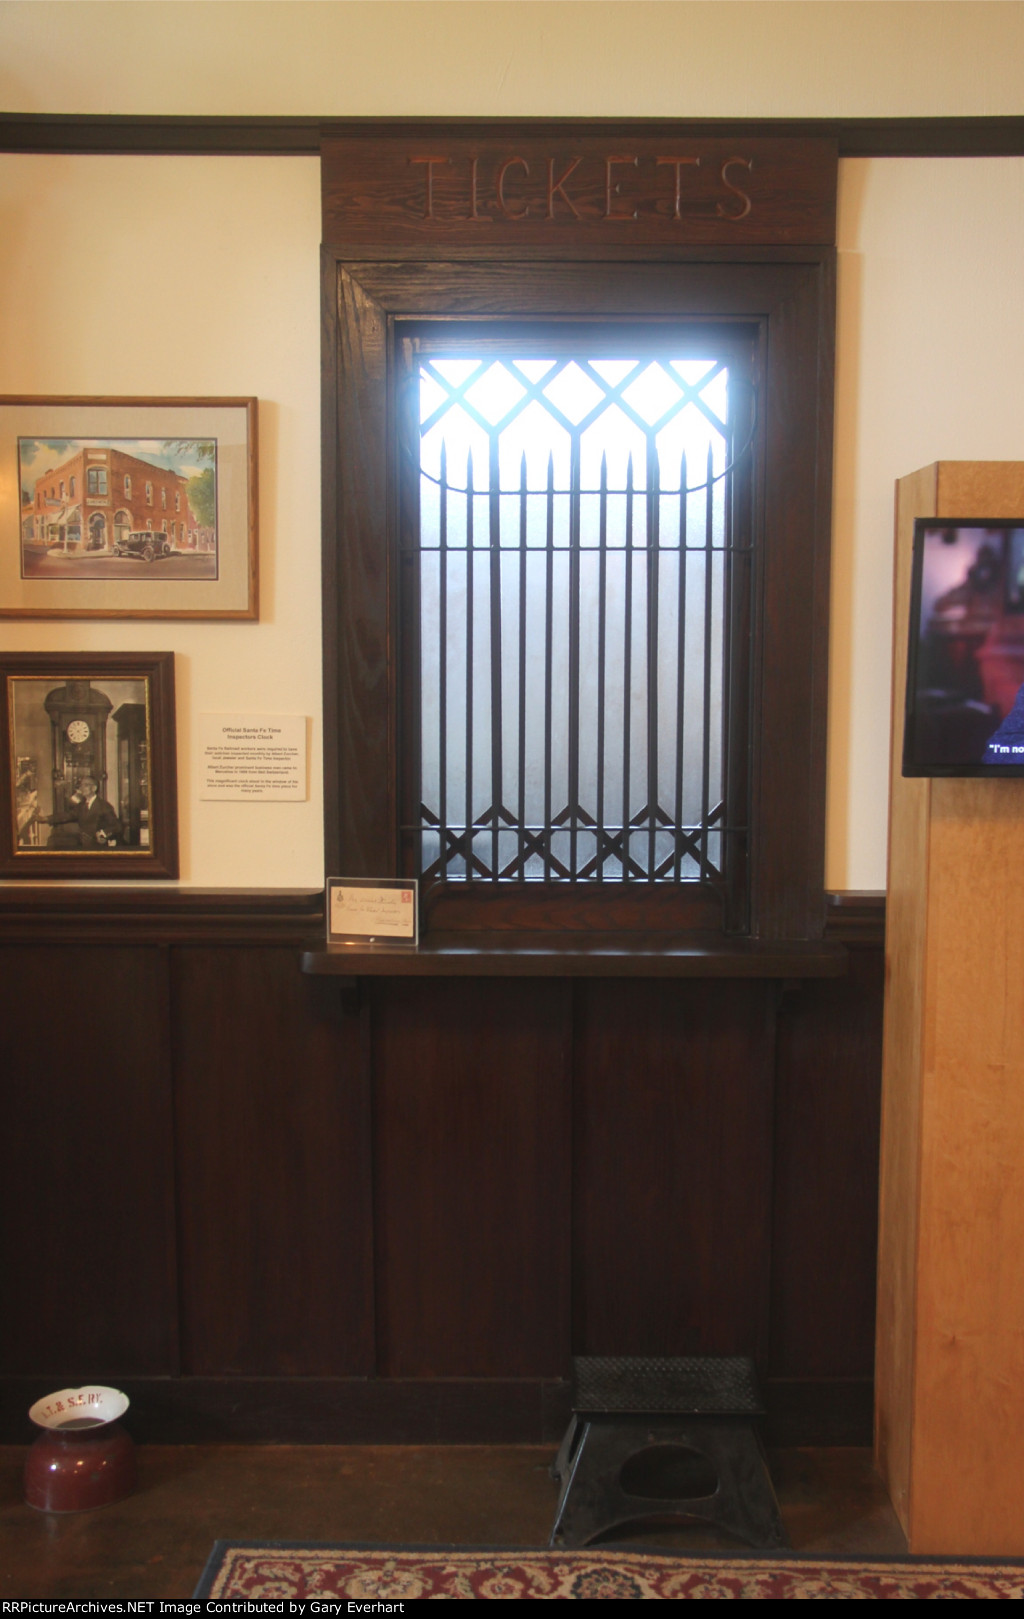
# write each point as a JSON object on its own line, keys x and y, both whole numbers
{"x": 627, "y": 678}
{"x": 602, "y": 652}
{"x": 573, "y": 685}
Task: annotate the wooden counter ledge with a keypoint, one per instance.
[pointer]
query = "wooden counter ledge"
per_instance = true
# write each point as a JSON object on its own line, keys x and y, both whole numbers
{"x": 578, "y": 955}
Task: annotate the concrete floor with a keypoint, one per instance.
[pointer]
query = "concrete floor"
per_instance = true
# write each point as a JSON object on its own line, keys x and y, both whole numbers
{"x": 155, "y": 1543}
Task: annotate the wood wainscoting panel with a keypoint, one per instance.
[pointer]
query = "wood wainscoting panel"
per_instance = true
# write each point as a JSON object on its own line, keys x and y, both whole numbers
{"x": 672, "y": 1167}
{"x": 471, "y": 1165}
{"x": 825, "y": 1193}
{"x": 87, "y": 1288}
{"x": 285, "y": 1208}
{"x": 273, "y": 1138}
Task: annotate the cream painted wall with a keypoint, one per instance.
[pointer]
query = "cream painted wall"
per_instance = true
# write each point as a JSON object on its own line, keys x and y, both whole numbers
{"x": 523, "y": 58}
{"x": 930, "y": 367}
{"x": 211, "y": 265}
{"x": 191, "y": 276}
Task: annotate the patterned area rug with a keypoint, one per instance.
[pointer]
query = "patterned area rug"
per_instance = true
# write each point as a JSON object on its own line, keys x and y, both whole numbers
{"x": 270, "y": 1572}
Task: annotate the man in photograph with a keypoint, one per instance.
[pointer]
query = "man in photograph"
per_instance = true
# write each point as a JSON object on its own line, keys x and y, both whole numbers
{"x": 89, "y": 822}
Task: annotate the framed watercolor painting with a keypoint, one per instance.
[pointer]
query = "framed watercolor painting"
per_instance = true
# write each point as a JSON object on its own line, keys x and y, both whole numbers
{"x": 128, "y": 508}
{"x": 87, "y": 765}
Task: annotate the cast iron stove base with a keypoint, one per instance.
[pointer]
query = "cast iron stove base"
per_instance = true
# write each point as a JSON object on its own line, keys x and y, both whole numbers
{"x": 656, "y": 1440}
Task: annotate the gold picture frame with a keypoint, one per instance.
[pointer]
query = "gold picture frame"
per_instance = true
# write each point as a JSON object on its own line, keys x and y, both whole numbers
{"x": 128, "y": 508}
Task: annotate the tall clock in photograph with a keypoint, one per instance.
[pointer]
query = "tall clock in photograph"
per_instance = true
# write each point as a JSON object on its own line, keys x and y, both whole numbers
{"x": 78, "y": 721}
{"x": 133, "y": 773}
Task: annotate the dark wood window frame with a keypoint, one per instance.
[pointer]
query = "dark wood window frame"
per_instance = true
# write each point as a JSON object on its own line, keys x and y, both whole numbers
{"x": 786, "y": 291}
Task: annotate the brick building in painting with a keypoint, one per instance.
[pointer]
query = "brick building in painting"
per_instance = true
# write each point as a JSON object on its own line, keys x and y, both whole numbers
{"x": 101, "y": 495}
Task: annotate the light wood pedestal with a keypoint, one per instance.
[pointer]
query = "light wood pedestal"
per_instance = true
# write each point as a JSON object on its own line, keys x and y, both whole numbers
{"x": 949, "y": 1424}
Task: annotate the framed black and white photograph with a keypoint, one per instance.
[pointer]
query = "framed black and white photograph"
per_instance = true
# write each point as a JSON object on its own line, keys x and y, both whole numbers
{"x": 128, "y": 508}
{"x": 88, "y": 760}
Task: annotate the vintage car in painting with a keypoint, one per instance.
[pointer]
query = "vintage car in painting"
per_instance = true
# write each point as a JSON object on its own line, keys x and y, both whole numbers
{"x": 145, "y": 543}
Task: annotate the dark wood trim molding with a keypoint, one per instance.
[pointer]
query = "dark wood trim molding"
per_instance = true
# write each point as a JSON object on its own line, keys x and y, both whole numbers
{"x": 58, "y": 914}
{"x": 413, "y": 1411}
{"x": 322, "y": 1410}
{"x": 789, "y": 289}
{"x": 998, "y": 136}
{"x": 98, "y": 134}
{"x": 818, "y": 1411}
{"x": 856, "y": 917}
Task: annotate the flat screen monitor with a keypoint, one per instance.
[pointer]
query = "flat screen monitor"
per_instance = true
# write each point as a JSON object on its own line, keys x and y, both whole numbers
{"x": 965, "y": 670}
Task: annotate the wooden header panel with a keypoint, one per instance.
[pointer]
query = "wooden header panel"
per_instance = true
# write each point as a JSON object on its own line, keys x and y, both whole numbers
{"x": 435, "y": 194}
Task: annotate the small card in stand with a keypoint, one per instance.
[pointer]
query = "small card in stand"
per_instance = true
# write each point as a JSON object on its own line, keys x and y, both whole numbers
{"x": 373, "y": 911}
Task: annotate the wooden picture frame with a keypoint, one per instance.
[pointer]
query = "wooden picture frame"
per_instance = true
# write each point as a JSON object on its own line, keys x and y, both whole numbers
{"x": 88, "y": 779}
{"x": 128, "y": 508}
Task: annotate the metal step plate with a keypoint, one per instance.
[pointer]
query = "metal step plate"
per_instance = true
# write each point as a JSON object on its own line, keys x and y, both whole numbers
{"x": 708, "y": 1385}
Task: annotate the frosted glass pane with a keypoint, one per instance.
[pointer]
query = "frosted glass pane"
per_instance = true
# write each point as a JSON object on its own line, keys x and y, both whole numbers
{"x": 573, "y": 582}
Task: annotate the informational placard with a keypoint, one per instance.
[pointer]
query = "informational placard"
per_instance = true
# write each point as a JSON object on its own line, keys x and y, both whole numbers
{"x": 372, "y": 910}
{"x": 258, "y": 757}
